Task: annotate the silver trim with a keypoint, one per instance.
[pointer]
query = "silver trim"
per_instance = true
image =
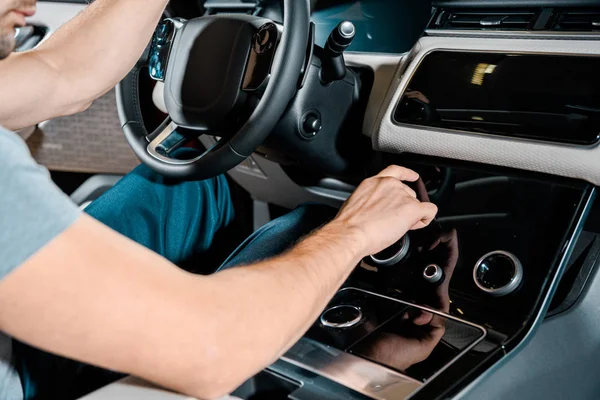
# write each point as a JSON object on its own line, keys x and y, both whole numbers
{"x": 396, "y": 258}
{"x": 418, "y": 60}
{"x": 164, "y": 135}
{"x": 514, "y": 282}
{"x": 514, "y": 34}
{"x": 435, "y": 276}
{"x": 361, "y": 375}
{"x": 355, "y": 373}
{"x": 568, "y": 250}
{"x": 341, "y": 325}
{"x": 344, "y": 32}
{"x": 442, "y": 314}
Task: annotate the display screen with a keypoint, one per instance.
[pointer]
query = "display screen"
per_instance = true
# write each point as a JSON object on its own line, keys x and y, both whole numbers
{"x": 532, "y": 96}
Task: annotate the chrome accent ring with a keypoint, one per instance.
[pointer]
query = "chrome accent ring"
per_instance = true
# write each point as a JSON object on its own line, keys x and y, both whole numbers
{"x": 433, "y": 273}
{"x": 514, "y": 282}
{"x": 346, "y": 324}
{"x": 402, "y": 252}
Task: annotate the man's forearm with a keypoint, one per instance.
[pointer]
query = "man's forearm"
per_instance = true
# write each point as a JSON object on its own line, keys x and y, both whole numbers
{"x": 98, "y": 47}
{"x": 81, "y": 61}
{"x": 94, "y": 296}
{"x": 274, "y": 302}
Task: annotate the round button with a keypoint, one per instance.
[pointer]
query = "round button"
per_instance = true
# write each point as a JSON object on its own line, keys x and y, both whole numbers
{"x": 155, "y": 66}
{"x": 310, "y": 124}
{"x": 393, "y": 254}
{"x": 433, "y": 273}
{"x": 347, "y": 29}
{"x": 265, "y": 38}
{"x": 498, "y": 273}
{"x": 162, "y": 32}
{"x": 344, "y": 316}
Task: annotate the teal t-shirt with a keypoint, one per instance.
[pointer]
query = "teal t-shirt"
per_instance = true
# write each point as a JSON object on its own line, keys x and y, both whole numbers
{"x": 33, "y": 211}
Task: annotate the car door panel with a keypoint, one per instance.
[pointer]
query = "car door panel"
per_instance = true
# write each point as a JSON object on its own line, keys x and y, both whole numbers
{"x": 91, "y": 141}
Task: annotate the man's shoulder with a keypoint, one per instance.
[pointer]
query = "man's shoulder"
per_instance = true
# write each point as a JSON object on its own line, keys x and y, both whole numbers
{"x": 34, "y": 210}
{"x": 11, "y": 144}
{"x": 16, "y": 159}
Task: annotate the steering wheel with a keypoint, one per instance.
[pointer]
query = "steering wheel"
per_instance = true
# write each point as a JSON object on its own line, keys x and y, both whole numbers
{"x": 212, "y": 68}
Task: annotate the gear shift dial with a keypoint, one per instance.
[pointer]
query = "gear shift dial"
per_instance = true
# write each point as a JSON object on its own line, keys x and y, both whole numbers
{"x": 334, "y": 66}
{"x": 393, "y": 254}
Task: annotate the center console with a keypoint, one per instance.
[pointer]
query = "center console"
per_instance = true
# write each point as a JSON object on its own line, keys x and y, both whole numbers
{"x": 428, "y": 315}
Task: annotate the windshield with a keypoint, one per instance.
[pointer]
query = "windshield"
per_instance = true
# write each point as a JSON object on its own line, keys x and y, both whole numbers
{"x": 383, "y": 26}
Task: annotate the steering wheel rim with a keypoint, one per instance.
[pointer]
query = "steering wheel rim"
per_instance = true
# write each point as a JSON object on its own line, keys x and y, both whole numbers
{"x": 227, "y": 153}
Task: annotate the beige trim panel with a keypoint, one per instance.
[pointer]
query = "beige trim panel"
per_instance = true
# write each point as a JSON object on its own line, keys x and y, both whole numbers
{"x": 568, "y": 161}
{"x": 384, "y": 68}
{"x": 91, "y": 141}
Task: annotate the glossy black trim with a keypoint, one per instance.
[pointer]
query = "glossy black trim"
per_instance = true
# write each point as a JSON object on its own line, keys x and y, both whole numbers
{"x": 453, "y": 380}
{"x": 517, "y": 315}
{"x": 520, "y": 95}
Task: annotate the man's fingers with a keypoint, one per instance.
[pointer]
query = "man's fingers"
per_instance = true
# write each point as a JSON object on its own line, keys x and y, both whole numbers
{"x": 427, "y": 213}
{"x": 400, "y": 173}
{"x": 411, "y": 192}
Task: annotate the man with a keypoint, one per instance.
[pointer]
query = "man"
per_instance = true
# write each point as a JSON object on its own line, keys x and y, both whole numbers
{"x": 72, "y": 286}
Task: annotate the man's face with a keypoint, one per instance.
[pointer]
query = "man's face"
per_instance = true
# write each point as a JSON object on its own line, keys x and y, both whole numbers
{"x": 12, "y": 15}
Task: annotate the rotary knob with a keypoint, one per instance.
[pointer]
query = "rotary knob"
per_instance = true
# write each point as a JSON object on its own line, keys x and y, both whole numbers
{"x": 343, "y": 316}
{"x": 498, "y": 273}
{"x": 433, "y": 273}
{"x": 393, "y": 254}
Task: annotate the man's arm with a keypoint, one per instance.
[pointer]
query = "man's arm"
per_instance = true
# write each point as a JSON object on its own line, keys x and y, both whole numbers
{"x": 98, "y": 297}
{"x": 78, "y": 63}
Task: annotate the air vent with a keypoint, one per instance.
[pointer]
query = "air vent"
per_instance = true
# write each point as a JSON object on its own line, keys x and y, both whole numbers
{"x": 485, "y": 19}
{"x": 577, "y": 20}
{"x": 230, "y": 6}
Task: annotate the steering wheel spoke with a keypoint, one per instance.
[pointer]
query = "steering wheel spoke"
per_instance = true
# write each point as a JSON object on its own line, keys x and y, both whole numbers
{"x": 164, "y": 144}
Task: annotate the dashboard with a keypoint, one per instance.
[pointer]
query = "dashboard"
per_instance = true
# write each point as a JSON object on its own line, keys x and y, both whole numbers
{"x": 557, "y": 159}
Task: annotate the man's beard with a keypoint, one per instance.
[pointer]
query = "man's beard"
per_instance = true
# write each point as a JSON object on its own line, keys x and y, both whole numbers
{"x": 7, "y": 44}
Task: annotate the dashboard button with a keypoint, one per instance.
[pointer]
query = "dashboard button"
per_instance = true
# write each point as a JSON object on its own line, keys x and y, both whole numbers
{"x": 498, "y": 273}
{"x": 343, "y": 316}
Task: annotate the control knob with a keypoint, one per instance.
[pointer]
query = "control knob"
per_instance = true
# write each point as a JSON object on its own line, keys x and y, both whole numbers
{"x": 393, "y": 254}
{"x": 498, "y": 273}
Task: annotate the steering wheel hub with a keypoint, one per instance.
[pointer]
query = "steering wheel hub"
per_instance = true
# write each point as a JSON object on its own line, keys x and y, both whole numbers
{"x": 206, "y": 70}
{"x": 212, "y": 66}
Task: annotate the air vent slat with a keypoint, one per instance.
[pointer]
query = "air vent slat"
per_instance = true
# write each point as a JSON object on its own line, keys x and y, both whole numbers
{"x": 577, "y": 20}
{"x": 521, "y": 19}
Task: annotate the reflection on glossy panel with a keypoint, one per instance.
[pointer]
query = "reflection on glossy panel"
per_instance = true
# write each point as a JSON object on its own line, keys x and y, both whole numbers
{"x": 495, "y": 243}
{"x": 533, "y": 96}
{"x": 409, "y": 339}
{"x": 418, "y": 343}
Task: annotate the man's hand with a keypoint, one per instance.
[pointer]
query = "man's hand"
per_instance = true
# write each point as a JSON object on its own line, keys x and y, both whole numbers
{"x": 383, "y": 209}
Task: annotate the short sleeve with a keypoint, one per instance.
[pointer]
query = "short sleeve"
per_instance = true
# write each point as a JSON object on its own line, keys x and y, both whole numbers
{"x": 33, "y": 210}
